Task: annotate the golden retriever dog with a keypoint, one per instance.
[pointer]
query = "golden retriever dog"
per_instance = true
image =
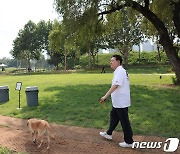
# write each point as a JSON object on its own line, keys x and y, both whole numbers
{"x": 39, "y": 128}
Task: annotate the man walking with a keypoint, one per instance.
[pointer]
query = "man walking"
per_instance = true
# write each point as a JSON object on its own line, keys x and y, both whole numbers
{"x": 120, "y": 95}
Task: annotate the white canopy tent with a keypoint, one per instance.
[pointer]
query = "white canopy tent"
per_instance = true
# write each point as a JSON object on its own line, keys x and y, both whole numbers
{"x": 3, "y": 65}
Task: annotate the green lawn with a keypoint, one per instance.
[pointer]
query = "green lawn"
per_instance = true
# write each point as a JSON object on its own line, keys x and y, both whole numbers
{"x": 5, "y": 151}
{"x": 72, "y": 99}
{"x": 8, "y": 151}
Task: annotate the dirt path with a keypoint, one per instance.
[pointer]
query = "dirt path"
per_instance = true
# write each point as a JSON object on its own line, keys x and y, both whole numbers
{"x": 14, "y": 135}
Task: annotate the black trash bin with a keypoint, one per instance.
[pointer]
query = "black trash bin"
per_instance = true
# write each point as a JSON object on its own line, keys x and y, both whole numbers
{"x": 32, "y": 95}
{"x": 4, "y": 94}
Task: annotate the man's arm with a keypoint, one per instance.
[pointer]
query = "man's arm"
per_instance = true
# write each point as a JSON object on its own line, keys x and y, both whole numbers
{"x": 111, "y": 90}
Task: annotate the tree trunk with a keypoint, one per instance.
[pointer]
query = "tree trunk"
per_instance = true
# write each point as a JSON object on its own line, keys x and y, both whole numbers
{"x": 89, "y": 56}
{"x": 139, "y": 52}
{"x": 97, "y": 60}
{"x": 65, "y": 60}
{"x": 93, "y": 53}
{"x": 29, "y": 65}
{"x": 57, "y": 67}
{"x": 172, "y": 56}
{"x": 94, "y": 60}
{"x": 126, "y": 59}
{"x": 159, "y": 54}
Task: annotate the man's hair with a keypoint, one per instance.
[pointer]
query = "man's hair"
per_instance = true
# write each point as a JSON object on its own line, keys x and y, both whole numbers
{"x": 118, "y": 57}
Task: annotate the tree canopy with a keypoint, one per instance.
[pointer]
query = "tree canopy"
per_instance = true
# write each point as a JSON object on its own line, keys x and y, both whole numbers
{"x": 123, "y": 32}
{"x": 26, "y": 46}
{"x": 163, "y": 16}
{"x": 31, "y": 41}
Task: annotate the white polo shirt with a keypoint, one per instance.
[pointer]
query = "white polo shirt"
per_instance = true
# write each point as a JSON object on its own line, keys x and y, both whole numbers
{"x": 121, "y": 96}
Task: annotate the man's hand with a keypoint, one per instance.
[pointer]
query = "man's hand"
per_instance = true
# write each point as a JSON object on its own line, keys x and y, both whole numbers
{"x": 103, "y": 99}
{"x": 111, "y": 90}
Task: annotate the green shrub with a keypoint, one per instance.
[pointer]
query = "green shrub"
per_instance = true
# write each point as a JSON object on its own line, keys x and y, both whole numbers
{"x": 146, "y": 58}
{"x": 77, "y": 67}
{"x": 175, "y": 81}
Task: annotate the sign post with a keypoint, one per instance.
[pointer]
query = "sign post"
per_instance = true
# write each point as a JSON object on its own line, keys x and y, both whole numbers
{"x": 18, "y": 87}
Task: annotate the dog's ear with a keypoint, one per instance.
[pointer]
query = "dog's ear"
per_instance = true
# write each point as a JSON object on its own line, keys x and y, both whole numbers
{"x": 27, "y": 123}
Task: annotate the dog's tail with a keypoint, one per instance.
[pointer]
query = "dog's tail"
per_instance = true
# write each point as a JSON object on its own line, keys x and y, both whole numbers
{"x": 48, "y": 131}
{"x": 47, "y": 127}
